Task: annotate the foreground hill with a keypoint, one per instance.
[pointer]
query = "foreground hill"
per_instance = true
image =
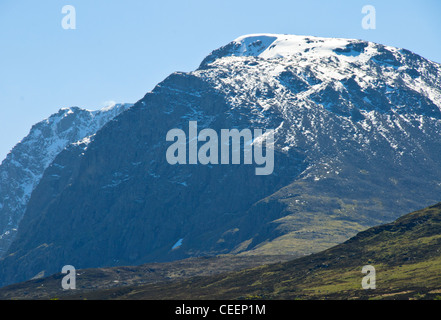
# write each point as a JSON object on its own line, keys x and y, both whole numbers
{"x": 405, "y": 253}
{"x": 90, "y": 280}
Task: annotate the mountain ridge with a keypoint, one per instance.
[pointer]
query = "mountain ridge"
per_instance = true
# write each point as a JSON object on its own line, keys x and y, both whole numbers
{"x": 23, "y": 167}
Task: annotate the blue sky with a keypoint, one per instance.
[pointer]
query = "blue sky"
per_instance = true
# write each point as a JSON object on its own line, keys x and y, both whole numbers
{"x": 122, "y": 49}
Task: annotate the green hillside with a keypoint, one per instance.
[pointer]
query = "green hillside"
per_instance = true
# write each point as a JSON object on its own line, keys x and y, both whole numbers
{"x": 405, "y": 253}
{"x": 406, "y": 256}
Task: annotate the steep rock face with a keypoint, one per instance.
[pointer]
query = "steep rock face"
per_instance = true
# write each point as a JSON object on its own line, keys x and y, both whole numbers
{"x": 120, "y": 202}
{"x": 356, "y": 125}
{"x": 23, "y": 167}
{"x": 367, "y": 117}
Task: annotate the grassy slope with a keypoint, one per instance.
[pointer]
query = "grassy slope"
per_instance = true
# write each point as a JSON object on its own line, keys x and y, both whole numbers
{"x": 107, "y": 278}
{"x": 406, "y": 255}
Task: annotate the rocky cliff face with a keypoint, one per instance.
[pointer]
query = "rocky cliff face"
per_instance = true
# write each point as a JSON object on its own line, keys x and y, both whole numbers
{"x": 356, "y": 125}
{"x": 23, "y": 168}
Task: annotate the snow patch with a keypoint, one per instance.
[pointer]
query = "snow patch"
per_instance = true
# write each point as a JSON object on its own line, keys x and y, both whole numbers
{"x": 177, "y": 244}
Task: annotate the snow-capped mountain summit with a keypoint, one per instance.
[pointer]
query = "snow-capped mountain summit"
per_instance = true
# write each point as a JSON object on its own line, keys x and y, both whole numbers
{"x": 271, "y": 46}
{"x": 357, "y": 130}
{"x": 23, "y": 167}
{"x": 278, "y": 46}
{"x": 361, "y": 92}
{"x": 314, "y": 63}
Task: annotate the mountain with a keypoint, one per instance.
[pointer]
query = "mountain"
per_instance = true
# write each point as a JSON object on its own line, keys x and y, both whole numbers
{"x": 23, "y": 167}
{"x": 356, "y": 128}
{"x": 405, "y": 255}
